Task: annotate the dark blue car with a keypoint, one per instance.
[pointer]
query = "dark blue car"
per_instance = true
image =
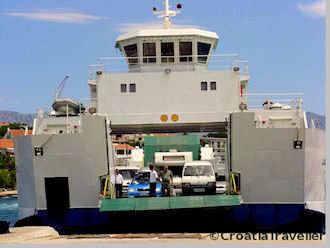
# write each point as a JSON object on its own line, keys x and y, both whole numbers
{"x": 139, "y": 186}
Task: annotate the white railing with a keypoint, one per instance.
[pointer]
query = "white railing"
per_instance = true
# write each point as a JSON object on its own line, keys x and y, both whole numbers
{"x": 49, "y": 111}
{"x": 285, "y": 100}
{"x": 190, "y": 62}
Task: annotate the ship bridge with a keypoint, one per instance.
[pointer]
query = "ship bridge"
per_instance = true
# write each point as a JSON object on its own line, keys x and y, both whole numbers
{"x": 167, "y": 49}
{"x": 158, "y": 49}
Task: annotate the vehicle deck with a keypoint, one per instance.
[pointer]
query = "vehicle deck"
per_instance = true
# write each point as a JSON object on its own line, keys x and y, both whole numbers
{"x": 166, "y": 203}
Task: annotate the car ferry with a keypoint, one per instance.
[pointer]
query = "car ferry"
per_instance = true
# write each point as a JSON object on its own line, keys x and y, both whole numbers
{"x": 173, "y": 83}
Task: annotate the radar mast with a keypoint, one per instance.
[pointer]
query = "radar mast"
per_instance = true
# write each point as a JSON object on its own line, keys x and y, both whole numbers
{"x": 167, "y": 13}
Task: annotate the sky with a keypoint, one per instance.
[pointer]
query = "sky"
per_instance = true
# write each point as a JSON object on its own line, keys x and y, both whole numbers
{"x": 42, "y": 40}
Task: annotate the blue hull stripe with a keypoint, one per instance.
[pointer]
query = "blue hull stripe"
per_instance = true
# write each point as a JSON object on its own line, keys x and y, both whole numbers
{"x": 264, "y": 216}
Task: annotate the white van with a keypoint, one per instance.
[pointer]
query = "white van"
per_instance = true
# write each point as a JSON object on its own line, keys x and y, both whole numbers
{"x": 175, "y": 161}
{"x": 198, "y": 177}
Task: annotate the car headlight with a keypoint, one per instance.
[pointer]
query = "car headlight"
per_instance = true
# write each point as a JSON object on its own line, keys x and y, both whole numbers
{"x": 158, "y": 190}
{"x": 131, "y": 190}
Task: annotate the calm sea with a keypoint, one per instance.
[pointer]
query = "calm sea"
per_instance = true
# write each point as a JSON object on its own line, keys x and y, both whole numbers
{"x": 9, "y": 209}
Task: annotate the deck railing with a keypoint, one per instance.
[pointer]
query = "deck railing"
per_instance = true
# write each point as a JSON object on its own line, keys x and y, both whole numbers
{"x": 287, "y": 100}
{"x": 155, "y": 63}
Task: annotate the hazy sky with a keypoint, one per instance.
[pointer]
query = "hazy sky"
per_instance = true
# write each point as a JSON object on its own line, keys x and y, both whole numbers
{"x": 42, "y": 40}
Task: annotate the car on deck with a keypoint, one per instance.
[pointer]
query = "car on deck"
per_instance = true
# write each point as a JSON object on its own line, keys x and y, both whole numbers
{"x": 198, "y": 177}
{"x": 128, "y": 173}
{"x": 140, "y": 186}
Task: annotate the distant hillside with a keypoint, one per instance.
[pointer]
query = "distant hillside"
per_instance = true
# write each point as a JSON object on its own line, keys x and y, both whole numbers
{"x": 11, "y": 116}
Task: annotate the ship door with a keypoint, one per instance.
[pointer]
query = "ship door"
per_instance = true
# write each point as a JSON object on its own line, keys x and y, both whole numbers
{"x": 57, "y": 194}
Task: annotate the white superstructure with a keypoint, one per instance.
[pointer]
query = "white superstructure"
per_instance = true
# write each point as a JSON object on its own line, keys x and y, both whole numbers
{"x": 168, "y": 80}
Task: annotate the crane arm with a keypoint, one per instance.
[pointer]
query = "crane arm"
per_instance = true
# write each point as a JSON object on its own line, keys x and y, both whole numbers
{"x": 60, "y": 87}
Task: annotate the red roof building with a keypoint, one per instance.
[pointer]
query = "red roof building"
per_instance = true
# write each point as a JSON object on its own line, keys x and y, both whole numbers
{"x": 123, "y": 146}
{"x": 6, "y": 146}
{"x": 18, "y": 132}
{"x": 11, "y": 133}
{"x": 7, "y": 143}
{"x": 4, "y": 124}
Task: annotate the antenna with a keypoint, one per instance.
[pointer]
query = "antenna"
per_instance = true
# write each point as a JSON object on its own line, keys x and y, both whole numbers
{"x": 167, "y": 13}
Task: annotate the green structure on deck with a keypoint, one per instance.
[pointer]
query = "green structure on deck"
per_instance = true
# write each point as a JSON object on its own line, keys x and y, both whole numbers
{"x": 181, "y": 143}
{"x": 167, "y": 203}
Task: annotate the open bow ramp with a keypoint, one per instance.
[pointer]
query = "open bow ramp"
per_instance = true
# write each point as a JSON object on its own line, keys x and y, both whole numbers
{"x": 166, "y": 203}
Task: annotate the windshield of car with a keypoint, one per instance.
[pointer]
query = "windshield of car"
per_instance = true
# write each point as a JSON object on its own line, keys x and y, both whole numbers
{"x": 127, "y": 174}
{"x": 141, "y": 178}
{"x": 199, "y": 170}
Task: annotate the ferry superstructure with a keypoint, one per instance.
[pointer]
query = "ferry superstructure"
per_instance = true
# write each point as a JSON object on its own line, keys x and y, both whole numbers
{"x": 169, "y": 87}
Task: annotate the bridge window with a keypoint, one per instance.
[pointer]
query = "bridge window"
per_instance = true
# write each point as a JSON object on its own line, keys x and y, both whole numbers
{"x": 149, "y": 52}
{"x": 213, "y": 85}
{"x": 203, "y": 51}
{"x": 132, "y": 87}
{"x": 123, "y": 88}
{"x": 167, "y": 49}
{"x": 203, "y": 86}
{"x": 132, "y": 54}
{"x": 185, "y": 51}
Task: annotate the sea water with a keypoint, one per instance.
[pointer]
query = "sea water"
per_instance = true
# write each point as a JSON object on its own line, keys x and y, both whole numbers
{"x": 9, "y": 209}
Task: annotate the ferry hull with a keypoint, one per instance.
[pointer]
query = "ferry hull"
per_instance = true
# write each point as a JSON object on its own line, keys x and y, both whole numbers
{"x": 243, "y": 218}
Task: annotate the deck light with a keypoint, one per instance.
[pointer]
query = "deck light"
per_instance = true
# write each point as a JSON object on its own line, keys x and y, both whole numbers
{"x": 242, "y": 106}
{"x": 297, "y": 144}
{"x": 236, "y": 69}
{"x": 175, "y": 117}
{"x": 164, "y": 118}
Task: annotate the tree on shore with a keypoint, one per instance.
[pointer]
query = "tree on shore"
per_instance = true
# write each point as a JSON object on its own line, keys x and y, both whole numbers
{"x": 7, "y": 161}
{"x": 7, "y": 171}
